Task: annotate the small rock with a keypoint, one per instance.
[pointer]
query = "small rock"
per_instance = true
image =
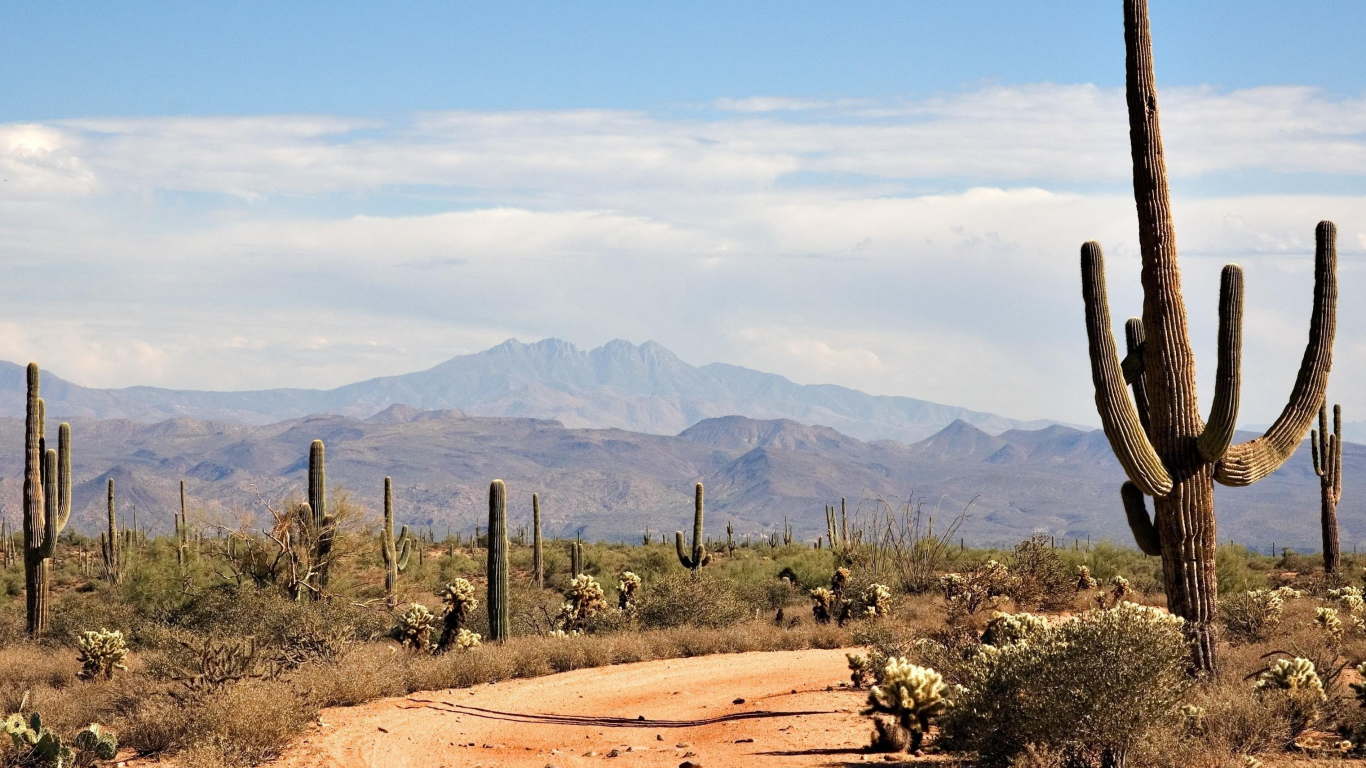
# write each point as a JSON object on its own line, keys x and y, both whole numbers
{"x": 382, "y": 729}
{"x": 614, "y": 753}
{"x": 689, "y": 764}
{"x": 738, "y": 701}
{"x": 640, "y": 717}
{"x": 659, "y": 737}
{"x": 744, "y": 741}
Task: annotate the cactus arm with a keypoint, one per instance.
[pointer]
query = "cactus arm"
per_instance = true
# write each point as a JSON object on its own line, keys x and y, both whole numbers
{"x": 1136, "y": 509}
{"x": 1246, "y": 463}
{"x": 1133, "y": 369}
{"x": 1337, "y": 453}
{"x": 1314, "y": 451}
{"x": 1223, "y": 417}
{"x": 63, "y": 476}
{"x": 683, "y": 558}
{"x": 49, "y": 545}
{"x": 1118, "y": 414}
{"x": 404, "y": 548}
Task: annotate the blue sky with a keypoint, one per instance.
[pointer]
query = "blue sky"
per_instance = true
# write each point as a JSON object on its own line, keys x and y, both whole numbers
{"x": 87, "y": 59}
{"x": 888, "y": 196}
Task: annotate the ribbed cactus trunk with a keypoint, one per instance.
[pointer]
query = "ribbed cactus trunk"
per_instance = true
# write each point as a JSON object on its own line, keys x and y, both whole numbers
{"x": 498, "y": 563}
{"x": 395, "y": 552}
{"x": 1328, "y": 466}
{"x": 699, "y": 556}
{"x": 575, "y": 558}
{"x": 537, "y": 554}
{"x": 111, "y": 543}
{"x": 43, "y": 521}
{"x": 1170, "y": 452}
{"x": 323, "y": 520}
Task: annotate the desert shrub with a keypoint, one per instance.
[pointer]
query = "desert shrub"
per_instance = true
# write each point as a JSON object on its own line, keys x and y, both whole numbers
{"x": 1251, "y": 615}
{"x": 1039, "y": 578}
{"x": 679, "y": 601}
{"x": 967, "y": 593}
{"x": 1008, "y": 628}
{"x": 1092, "y": 686}
{"x": 1238, "y": 569}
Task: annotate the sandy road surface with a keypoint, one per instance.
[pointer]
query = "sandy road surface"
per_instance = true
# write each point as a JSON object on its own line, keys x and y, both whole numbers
{"x": 657, "y": 713}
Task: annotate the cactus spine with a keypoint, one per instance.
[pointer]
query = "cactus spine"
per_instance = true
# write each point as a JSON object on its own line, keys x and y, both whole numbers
{"x": 1171, "y": 453}
{"x": 537, "y": 556}
{"x": 323, "y": 521}
{"x": 396, "y": 552}
{"x": 111, "y": 544}
{"x": 699, "y": 557}
{"x": 1327, "y": 451}
{"x": 47, "y": 503}
{"x": 498, "y": 563}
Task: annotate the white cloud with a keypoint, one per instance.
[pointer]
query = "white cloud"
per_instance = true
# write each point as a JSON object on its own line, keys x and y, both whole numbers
{"x": 787, "y": 235}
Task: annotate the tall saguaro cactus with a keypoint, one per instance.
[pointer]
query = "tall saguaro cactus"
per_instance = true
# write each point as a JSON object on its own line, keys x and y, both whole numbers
{"x": 700, "y": 557}
{"x": 47, "y": 502}
{"x": 498, "y": 562}
{"x": 1169, "y": 452}
{"x": 1328, "y": 466}
{"x": 537, "y": 554}
{"x": 395, "y": 551}
{"x": 111, "y": 544}
{"x": 323, "y": 521}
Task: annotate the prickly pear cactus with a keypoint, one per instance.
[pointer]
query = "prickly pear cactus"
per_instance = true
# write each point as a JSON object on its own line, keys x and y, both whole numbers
{"x": 912, "y": 694}
{"x": 100, "y": 653}
{"x": 95, "y": 741}
{"x": 626, "y": 591}
{"x": 414, "y": 627}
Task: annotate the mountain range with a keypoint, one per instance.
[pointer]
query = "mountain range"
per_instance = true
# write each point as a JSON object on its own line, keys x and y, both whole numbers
{"x": 641, "y": 388}
{"x": 617, "y": 484}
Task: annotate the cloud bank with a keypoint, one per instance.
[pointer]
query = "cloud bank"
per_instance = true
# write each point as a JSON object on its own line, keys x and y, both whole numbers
{"x": 926, "y": 248}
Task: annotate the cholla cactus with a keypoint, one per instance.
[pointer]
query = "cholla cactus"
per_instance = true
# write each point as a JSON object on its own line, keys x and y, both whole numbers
{"x": 824, "y": 604}
{"x": 1193, "y": 717}
{"x": 1119, "y": 592}
{"x": 838, "y": 581}
{"x": 878, "y": 599}
{"x": 1085, "y": 581}
{"x": 910, "y": 693}
{"x": 1288, "y": 593}
{"x": 101, "y": 653}
{"x": 1299, "y": 682}
{"x": 586, "y": 600}
{"x": 465, "y": 640}
{"x": 626, "y": 591}
{"x": 1360, "y": 688}
{"x": 1327, "y": 620}
{"x": 414, "y": 628}
{"x": 860, "y": 669}
{"x": 1010, "y": 628}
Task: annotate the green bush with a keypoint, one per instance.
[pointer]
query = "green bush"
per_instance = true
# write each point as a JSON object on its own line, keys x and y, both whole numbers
{"x": 1092, "y": 687}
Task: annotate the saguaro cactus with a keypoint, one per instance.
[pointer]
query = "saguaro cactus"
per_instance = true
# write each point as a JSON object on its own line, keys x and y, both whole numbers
{"x": 111, "y": 544}
{"x": 575, "y": 558}
{"x": 47, "y": 503}
{"x": 700, "y": 556}
{"x": 323, "y": 521}
{"x": 537, "y": 554}
{"x": 498, "y": 563}
{"x": 182, "y": 530}
{"x": 1170, "y": 452}
{"x": 395, "y": 551}
{"x": 1328, "y": 466}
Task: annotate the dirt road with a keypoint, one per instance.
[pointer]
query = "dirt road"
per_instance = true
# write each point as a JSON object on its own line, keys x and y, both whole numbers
{"x": 658, "y": 713}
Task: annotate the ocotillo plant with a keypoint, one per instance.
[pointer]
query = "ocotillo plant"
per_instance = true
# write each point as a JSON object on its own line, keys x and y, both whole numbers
{"x": 47, "y": 503}
{"x": 395, "y": 551}
{"x": 700, "y": 557}
{"x": 111, "y": 543}
{"x": 1171, "y": 453}
{"x": 1327, "y": 451}
{"x": 498, "y": 563}
{"x": 537, "y": 554}
{"x": 324, "y": 522}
